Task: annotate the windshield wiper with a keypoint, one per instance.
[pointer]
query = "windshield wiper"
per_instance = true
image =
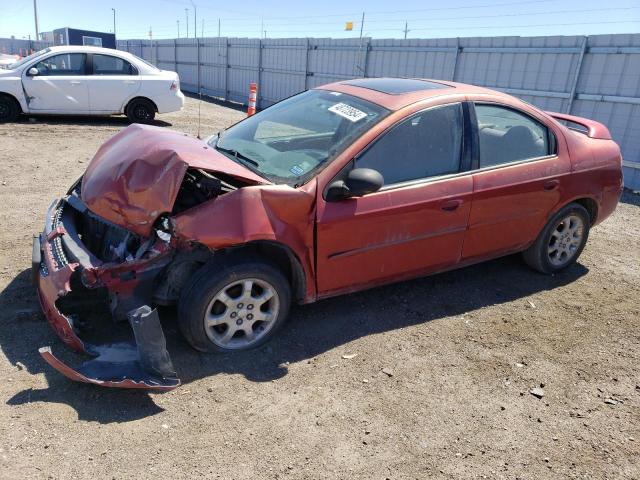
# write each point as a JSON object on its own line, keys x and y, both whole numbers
{"x": 237, "y": 155}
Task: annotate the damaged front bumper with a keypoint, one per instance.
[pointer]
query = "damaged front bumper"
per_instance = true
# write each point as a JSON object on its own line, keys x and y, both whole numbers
{"x": 65, "y": 270}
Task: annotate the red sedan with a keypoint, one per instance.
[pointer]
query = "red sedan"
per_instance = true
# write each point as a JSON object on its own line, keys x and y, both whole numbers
{"x": 337, "y": 189}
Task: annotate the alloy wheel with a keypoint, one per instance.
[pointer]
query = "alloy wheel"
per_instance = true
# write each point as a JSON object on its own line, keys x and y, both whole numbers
{"x": 241, "y": 313}
{"x": 142, "y": 112}
{"x": 565, "y": 240}
{"x": 5, "y": 110}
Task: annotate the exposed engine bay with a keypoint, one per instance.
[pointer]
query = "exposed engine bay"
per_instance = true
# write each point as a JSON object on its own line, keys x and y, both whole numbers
{"x": 151, "y": 209}
{"x": 114, "y": 270}
{"x": 200, "y": 186}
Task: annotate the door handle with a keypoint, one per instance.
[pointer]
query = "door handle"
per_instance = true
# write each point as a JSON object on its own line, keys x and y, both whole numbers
{"x": 129, "y": 82}
{"x": 451, "y": 205}
{"x": 551, "y": 185}
{"x": 75, "y": 82}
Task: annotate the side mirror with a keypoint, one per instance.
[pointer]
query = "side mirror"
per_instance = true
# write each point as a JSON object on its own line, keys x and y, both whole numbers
{"x": 359, "y": 181}
{"x": 33, "y": 71}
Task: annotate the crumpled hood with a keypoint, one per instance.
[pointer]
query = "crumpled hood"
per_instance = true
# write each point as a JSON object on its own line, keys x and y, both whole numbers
{"x": 136, "y": 175}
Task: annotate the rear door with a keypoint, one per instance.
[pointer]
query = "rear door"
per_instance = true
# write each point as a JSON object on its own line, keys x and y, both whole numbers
{"x": 518, "y": 180}
{"x": 416, "y": 223}
{"x": 60, "y": 85}
{"x": 114, "y": 80}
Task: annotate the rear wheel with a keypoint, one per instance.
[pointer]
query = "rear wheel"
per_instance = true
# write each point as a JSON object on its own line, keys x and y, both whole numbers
{"x": 9, "y": 109}
{"x": 233, "y": 306}
{"x": 141, "y": 110}
{"x": 562, "y": 240}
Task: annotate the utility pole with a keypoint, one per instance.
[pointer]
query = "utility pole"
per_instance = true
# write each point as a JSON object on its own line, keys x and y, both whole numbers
{"x": 202, "y": 29}
{"x": 186, "y": 14}
{"x": 35, "y": 17}
{"x": 362, "y": 25}
{"x": 151, "y": 43}
{"x": 114, "y": 20}
{"x": 406, "y": 29}
{"x": 178, "y": 28}
{"x": 218, "y": 28}
{"x": 195, "y": 19}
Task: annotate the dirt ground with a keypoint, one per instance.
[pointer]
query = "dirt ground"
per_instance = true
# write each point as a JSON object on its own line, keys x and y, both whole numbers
{"x": 461, "y": 350}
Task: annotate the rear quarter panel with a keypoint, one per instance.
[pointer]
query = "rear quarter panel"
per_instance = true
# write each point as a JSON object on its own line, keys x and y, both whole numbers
{"x": 596, "y": 167}
{"x": 155, "y": 88}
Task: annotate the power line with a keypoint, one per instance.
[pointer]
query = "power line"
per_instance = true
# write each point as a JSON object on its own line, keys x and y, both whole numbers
{"x": 431, "y": 19}
{"x": 372, "y": 12}
{"x": 477, "y": 27}
{"x": 386, "y": 12}
{"x": 532, "y": 26}
{"x": 281, "y": 26}
{"x": 457, "y": 17}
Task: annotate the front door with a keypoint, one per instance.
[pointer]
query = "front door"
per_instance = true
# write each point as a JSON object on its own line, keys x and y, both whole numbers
{"x": 415, "y": 224}
{"x": 517, "y": 183}
{"x": 60, "y": 85}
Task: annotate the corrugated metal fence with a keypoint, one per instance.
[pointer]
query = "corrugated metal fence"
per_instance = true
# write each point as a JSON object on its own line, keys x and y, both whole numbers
{"x": 14, "y": 46}
{"x": 596, "y": 77}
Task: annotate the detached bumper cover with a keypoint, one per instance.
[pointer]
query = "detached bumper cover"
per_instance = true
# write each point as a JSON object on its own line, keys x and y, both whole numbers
{"x": 58, "y": 254}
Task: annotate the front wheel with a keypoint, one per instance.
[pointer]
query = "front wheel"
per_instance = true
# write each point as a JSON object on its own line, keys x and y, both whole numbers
{"x": 233, "y": 306}
{"x": 141, "y": 110}
{"x": 9, "y": 109}
{"x": 561, "y": 241}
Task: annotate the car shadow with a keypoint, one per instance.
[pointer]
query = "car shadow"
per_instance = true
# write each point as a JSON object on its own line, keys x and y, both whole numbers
{"x": 312, "y": 330}
{"x": 217, "y": 101}
{"x": 84, "y": 120}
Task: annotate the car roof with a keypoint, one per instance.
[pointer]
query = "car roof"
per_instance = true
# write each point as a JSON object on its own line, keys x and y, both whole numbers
{"x": 396, "y": 93}
{"x": 88, "y": 49}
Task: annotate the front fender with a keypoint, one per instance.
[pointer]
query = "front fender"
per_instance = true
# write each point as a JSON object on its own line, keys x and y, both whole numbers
{"x": 275, "y": 213}
{"x": 12, "y": 85}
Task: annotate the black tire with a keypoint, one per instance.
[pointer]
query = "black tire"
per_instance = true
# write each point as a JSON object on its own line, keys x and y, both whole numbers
{"x": 537, "y": 256}
{"x": 211, "y": 279}
{"x": 9, "y": 109}
{"x": 141, "y": 110}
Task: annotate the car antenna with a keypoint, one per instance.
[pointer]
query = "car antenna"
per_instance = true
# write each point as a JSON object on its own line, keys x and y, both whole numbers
{"x": 199, "y": 103}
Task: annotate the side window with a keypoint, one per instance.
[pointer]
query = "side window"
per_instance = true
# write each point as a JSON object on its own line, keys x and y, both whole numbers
{"x": 508, "y": 136}
{"x": 63, "y": 64}
{"x": 427, "y": 144}
{"x": 108, "y": 65}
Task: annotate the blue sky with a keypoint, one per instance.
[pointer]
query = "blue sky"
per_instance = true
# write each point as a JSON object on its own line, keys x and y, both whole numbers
{"x": 293, "y": 18}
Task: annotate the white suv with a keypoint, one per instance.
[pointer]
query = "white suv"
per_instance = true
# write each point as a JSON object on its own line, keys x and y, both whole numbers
{"x": 88, "y": 80}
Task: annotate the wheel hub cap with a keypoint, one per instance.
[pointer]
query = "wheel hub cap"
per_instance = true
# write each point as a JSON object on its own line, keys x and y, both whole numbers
{"x": 241, "y": 313}
{"x": 565, "y": 240}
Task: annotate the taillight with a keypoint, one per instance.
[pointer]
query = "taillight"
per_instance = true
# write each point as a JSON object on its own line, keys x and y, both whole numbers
{"x": 174, "y": 86}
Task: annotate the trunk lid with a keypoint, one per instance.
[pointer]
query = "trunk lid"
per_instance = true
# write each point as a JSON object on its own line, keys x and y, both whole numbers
{"x": 136, "y": 175}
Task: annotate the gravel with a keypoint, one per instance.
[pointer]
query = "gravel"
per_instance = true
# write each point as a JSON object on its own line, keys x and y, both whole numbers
{"x": 294, "y": 408}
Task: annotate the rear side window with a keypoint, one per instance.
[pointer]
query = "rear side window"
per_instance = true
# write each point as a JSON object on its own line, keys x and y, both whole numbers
{"x": 425, "y": 145}
{"x": 63, "y": 64}
{"x": 508, "y": 136}
{"x": 108, "y": 65}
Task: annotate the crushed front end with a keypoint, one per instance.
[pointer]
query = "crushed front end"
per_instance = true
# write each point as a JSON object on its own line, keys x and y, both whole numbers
{"x": 111, "y": 248}
{"x": 82, "y": 265}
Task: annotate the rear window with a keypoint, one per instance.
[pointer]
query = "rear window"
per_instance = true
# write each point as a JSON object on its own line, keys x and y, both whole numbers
{"x": 110, "y": 65}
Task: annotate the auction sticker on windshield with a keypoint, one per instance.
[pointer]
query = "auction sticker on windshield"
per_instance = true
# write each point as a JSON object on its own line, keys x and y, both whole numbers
{"x": 347, "y": 111}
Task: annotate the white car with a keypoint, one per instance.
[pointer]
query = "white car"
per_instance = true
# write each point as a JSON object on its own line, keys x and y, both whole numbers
{"x": 89, "y": 81}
